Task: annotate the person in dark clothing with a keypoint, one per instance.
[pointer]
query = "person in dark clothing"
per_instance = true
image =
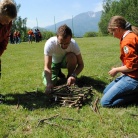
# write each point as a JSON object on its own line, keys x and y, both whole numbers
{"x": 11, "y": 38}
{"x": 36, "y": 36}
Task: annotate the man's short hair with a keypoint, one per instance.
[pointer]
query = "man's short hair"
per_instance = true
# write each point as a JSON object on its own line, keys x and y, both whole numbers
{"x": 64, "y": 31}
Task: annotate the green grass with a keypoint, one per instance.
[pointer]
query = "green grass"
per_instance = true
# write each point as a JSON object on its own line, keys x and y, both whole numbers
{"x": 22, "y": 66}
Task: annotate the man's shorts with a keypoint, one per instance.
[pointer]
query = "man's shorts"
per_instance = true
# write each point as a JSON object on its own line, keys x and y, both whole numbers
{"x": 55, "y": 71}
{"x": 30, "y": 37}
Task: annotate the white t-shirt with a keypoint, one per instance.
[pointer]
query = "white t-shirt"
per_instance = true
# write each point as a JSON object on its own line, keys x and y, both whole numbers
{"x": 53, "y": 49}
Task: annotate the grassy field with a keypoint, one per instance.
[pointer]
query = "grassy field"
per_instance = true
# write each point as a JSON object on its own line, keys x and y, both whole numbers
{"x": 22, "y": 66}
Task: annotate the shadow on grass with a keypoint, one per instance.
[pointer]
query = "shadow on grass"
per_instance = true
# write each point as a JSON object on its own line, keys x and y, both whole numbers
{"x": 29, "y": 100}
{"x": 86, "y": 81}
{"x": 38, "y": 99}
{"x": 89, "y": 81}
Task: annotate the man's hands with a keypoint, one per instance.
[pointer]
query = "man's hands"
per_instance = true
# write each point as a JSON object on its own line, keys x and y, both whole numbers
{"x": 71, "y": 80}
{"x": 49, "y": 88}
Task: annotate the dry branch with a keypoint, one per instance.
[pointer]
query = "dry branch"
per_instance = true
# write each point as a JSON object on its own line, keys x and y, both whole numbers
{"x": 96, "y": 109}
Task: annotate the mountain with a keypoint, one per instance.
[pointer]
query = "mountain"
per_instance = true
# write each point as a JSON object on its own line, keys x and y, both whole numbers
{"x": 81, "y": 23}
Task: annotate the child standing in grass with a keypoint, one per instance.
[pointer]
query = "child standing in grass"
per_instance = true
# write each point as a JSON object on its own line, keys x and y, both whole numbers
{"x": 124, "y": 89}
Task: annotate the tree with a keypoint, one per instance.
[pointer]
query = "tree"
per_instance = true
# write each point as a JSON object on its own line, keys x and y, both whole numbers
{"x": 105, "y": 17}
{"x": 47, "y": 34}
{"x": 90, "y": 34}
{"x": 118, "y": 7}
{"x": 19, "y": 24}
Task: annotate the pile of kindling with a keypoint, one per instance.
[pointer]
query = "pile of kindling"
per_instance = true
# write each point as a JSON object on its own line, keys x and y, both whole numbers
{"x": 71, "y": 96}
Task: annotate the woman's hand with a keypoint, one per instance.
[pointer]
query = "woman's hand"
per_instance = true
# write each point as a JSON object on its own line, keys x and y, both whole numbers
{"x": 113, "y": 72}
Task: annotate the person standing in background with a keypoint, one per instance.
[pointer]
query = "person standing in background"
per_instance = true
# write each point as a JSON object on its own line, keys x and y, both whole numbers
{"x": 15, "y": 37}
{"x": 30, "y": 36}
{"x": 18, "y": 37}
{"x": 11, "y": 38}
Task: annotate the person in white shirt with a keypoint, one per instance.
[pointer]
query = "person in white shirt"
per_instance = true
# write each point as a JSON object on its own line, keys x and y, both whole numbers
{"x": 61, "y": 51}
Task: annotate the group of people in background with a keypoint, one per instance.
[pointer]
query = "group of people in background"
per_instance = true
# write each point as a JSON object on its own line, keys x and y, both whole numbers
{"x": 15, "y": 37}
{"x": 34, "y": 36}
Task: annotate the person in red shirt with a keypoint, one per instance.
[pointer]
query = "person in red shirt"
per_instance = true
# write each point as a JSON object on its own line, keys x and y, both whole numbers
{"x": 30, "y": 36}
{"x": 124, "y": 89}
{"x": 8, "y": 12}
{"x": 18, "y": 37}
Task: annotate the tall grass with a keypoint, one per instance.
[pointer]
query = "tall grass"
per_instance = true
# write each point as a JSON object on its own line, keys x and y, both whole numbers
{"x": 22, "y": 66}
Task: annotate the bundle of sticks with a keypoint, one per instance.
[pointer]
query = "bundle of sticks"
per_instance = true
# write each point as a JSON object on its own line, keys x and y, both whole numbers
{"x": 71, "y": 96}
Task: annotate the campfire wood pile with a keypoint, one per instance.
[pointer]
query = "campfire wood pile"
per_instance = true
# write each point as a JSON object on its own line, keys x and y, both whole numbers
{"x": 72, "y": 96}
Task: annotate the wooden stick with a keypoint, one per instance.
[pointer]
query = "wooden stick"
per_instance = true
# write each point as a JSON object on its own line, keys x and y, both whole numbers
{"x": 42, "y": 120}
{"x": 53, "y": 124}
{"x": 71, "y": 119}
{"x": 134, "y": 114}
{"x": 68, "y": 98}
{"x": 95, "y": 108}
{"x": 95, "y": 105}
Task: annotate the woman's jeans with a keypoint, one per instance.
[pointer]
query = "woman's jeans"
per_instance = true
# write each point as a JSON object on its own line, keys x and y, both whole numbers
{"x": 122, "y": 90}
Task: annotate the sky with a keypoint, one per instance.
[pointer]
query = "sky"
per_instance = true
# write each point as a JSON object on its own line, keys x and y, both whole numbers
{"x": 43, "y": 13}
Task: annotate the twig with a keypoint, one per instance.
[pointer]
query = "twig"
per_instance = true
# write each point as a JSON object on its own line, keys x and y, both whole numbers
{"x": 95, "y": 105}
{"x": 134, "y": 114}
{"x": 42, "y": 120}
{"x": 53, "y": 124}
{"x": 71, "y": 119}
{"x": 59, "y": 87}
{"x": 95, "y": 108}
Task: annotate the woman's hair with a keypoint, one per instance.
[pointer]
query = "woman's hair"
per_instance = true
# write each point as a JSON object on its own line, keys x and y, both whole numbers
{"x": 119, "y": 21}
{"x": 8, "y": 8}
{"x": 64, "y": 31}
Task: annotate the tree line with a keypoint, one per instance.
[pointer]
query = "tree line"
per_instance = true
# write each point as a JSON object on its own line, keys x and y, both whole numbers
{"x": 126, "y": 8}
{"x": 19, "y": 24}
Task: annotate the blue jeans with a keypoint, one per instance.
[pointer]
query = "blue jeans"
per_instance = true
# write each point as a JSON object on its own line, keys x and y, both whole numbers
{"x": 122, "y": 90}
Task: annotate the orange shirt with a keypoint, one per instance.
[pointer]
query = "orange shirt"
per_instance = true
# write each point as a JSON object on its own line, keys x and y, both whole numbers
{"x": 30, "y": 32}
{"x": 129, "y": 53}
